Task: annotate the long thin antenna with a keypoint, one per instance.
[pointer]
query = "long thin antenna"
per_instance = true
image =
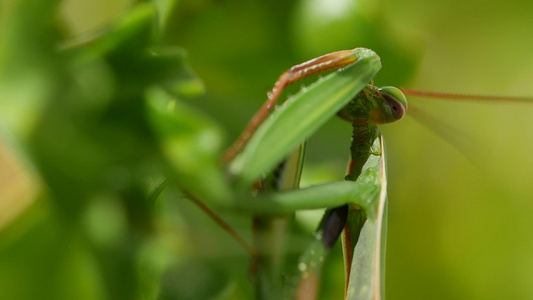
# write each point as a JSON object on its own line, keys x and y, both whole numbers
{"x": 220, "y": 222}
{"x": 458, "y": 139}
{"x": 462, "y": 97}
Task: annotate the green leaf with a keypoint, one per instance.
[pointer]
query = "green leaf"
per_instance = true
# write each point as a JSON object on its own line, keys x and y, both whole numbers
{"x": 164, "y": 11}
{"x": 27, "y": 72}
{"x": 191, "y": 142}
{"x": 367, "y": 268}
{"x": 129, "y": 33}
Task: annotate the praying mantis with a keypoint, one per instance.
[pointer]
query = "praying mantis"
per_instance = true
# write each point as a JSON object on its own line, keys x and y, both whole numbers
{"x": 304, "y": 113}
{"x": 348, "y": 92}
{"x": 367, "y": 107}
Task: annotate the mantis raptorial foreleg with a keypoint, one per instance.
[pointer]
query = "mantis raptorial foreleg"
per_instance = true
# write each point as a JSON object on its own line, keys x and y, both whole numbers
{"x": 292, "y": 124}
{"x": 314, "y": 66}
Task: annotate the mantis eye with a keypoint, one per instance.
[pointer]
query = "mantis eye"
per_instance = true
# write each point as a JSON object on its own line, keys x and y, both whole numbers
{"x": 396, "y": 100}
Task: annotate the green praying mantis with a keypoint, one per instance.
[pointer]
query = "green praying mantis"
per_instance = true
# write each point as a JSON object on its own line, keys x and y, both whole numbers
{"x": 367, "y": 107}
{"x": 356, "y": 207}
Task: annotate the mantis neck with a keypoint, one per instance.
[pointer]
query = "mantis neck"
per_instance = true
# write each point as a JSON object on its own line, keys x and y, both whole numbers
{"x": 364, "y": 130}
{"x": 364, "y": 133}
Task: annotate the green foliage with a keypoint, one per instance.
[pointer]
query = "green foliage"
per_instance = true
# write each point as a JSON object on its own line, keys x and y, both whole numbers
{"x": 79, "y": 113}
{"x": 112, "y": 142}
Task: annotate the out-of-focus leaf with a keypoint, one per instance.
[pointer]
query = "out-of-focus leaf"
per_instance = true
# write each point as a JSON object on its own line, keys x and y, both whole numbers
{"x": 40, "y": 258}
{"x": 28, "y": 71}
{"x": 127, "y": 48}
{"x": 177, "y": 77}
{"x": 191, "y": 142}
{"x": 164, "y": 10}
{"x": 78, "y": 116}
{"x": 127, "y": 33}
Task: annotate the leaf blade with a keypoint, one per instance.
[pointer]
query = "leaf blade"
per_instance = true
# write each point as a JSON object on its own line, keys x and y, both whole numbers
{"x": 366, "y": 280}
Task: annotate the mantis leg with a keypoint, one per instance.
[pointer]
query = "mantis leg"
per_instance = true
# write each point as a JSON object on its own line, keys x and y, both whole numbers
{"x": 301, "y": 116}
{"x": 314, "y": 66}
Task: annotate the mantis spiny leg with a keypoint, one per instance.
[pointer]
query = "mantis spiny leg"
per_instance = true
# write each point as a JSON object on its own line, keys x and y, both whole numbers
{"x": 298, "y": 72}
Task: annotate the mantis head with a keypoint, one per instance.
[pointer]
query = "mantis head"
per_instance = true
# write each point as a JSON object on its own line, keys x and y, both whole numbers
{"x": 392, "y": 107}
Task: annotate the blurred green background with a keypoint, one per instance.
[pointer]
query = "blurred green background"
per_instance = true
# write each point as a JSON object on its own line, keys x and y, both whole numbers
{"x": 459, "y": 204}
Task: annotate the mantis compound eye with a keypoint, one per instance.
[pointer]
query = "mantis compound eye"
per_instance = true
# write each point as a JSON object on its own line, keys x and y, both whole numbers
{"x": 396, "y": 99}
